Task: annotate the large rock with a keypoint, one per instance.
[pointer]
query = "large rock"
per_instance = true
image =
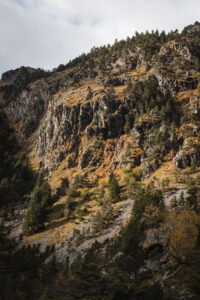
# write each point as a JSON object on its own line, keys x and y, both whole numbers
{"x": 183, "y": 160}
{"x": 148, "y": 167}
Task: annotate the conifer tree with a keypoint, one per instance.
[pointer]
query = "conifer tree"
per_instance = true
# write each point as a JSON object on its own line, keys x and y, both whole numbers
{"x": 114, "y": 188}
{"x": 39, "y": 207}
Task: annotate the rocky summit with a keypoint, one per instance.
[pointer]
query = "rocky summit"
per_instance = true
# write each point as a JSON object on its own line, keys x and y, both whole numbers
{"x": 111, "y": 165}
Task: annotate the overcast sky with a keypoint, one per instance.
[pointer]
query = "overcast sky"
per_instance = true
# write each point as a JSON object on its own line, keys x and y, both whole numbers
{"x": 45, "y": 33}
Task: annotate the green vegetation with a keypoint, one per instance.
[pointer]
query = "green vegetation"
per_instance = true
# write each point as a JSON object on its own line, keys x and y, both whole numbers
{"x": 114, "y": 189}
{"x": 122, "y": 258}
{"x": 16, "y": 178}
{"x": 103, "y": 218}
{"x": 39, "y": 207}
{"x": 21, "y": 270}
{"x": 119, "y": 281}
{"x": 124, "y": 279}
{"x": 150, "y": 43}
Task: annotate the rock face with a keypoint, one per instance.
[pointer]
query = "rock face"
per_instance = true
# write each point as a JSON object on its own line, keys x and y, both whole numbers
{"x": 15, "y": 75}
{"x": 82, "y": 238}
{"x": 21, "y": 75}
{"x": 64, "y": 125}
{"x": 16, "y": 81}
{"x": 148, "y": 167}
{"x": 77, "y": 241}
{"x": 82, "y": 116}
{"x": 69, "y": 131}
{"x": 28, "y": 111}
{"x": 166, "y": 83}
{"x": 183, "y": 160}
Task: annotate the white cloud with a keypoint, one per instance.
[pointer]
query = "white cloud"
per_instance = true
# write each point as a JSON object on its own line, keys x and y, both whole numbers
{"x": 45, "y": 33}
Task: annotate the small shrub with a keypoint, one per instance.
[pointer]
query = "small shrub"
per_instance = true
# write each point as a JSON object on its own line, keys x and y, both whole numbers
{"x": 85, "y": 194}
{"x": 137, "y": 173}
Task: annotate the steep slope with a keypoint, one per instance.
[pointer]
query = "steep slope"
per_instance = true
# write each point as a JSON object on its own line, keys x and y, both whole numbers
{"x": 60, "y": 117}
{"x": 133, "y": 109}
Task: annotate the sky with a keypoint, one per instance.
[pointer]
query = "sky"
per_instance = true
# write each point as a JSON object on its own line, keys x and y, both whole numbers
{"x": 46, "y": 33}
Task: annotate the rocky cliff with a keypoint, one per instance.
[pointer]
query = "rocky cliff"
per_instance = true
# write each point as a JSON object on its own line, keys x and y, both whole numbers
{"x": 133, "y": 109}
{"x": 85, "y": 116}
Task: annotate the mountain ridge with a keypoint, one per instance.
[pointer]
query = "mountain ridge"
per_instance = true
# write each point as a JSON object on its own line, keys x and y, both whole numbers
{"x": 111, "y": 130}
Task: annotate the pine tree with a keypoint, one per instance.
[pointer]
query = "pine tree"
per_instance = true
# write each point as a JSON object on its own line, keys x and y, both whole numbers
{"x": 128, "y": 123}
{"x": 39, "y": 207}
{"x": 114, "y": 188}
{"x": 193, "y": 165}
{"x": 181, "y": 200}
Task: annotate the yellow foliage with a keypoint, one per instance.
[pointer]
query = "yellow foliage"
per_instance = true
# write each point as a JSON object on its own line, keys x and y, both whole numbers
{"x": 102, "y": 183}
{"x": 125, "y": 175}
{"x": 85, "y": 194}
{"x": 136, "y": 173}
{"x": 140, "y": 70}
{"x": 152, "y": 216}
{"x": 184, "y": 234}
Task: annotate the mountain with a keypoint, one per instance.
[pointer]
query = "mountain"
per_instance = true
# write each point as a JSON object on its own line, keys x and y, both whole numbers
{"x": 190, "y": 28}
{"x": 113, "y": 129}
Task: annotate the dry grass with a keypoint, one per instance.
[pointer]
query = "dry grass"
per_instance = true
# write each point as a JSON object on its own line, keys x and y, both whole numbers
{"x": 57, "y": 229}
{"x": 186, "y": 95}
{"x": 35, "y": 238}
{"x": 77, "y": 94}
{"x": 60, "y": 234}
{"x": 57, "y": 175}
{"x": 167, "y": 170}
{"x": 34, "y": 160}
{"x": 52, "y": 235}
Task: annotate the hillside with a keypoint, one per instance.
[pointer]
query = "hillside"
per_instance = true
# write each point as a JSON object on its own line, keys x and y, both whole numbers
{"x": 115, "y": 132}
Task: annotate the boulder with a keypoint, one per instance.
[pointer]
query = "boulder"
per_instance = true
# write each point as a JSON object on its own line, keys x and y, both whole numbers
{"x": 183, "y": 160}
